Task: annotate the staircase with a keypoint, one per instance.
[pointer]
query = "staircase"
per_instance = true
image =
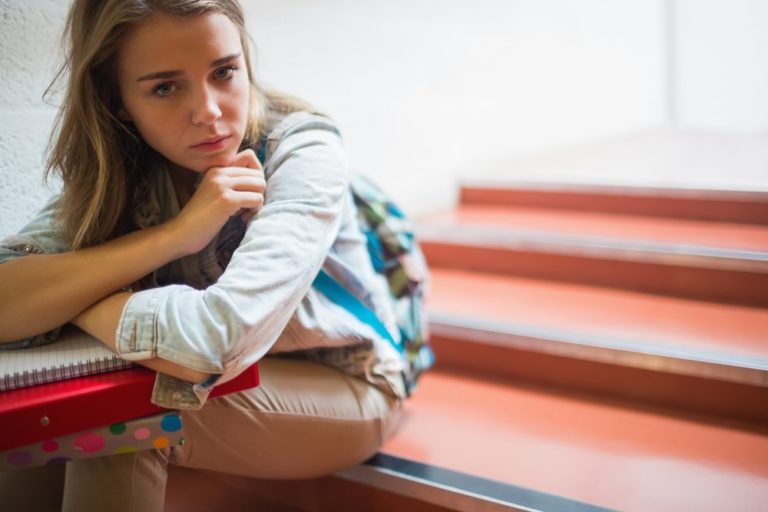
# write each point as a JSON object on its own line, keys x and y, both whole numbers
{"x": 608, "y": 345}
{"x": 537, "y": 284}
{"x": 598, "y": 348}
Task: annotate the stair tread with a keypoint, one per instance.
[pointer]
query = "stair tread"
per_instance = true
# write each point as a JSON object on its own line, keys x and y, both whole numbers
{"x": 643, "y": 319}
{"x": 616, "y": 189}
{"x": 732, "y": 236}
{"x": 600, "y": 453}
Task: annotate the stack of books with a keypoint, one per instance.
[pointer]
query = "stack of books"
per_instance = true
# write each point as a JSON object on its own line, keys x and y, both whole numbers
{"x": 75, "y": 398}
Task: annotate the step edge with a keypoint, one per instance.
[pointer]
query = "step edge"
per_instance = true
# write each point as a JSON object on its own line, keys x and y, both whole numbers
{"x": 407, "y": 477}
{"x": 596, "y": 247}
{"x": 688, "y": 362}
{"x": 669, "y": 192}
{"x": 423, "y": 490}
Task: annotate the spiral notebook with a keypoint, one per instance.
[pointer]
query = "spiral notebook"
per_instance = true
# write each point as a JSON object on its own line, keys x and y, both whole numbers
{"x": 48, "y": 411}
{"x": 74, "y": 354}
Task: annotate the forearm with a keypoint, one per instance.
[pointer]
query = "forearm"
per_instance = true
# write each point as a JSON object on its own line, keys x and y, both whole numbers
{"x": 41, "y": 292}
{"x": 101, "y": 321}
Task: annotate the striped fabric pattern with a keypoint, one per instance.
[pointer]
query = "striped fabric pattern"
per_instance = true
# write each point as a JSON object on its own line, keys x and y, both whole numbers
{"x": 396, "y": 254}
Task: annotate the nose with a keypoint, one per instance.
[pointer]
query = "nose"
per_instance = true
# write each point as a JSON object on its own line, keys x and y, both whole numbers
{"x": 205, "y": 110}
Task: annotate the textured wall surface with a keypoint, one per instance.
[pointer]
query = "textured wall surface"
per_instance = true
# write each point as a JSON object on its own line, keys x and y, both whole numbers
{"x": 29, "y": 54}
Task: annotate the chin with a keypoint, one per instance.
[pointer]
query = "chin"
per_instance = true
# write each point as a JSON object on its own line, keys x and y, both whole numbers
{"x": 204, "y": 164}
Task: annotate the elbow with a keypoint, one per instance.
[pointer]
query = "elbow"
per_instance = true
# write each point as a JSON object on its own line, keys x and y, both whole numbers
{"x": 192, "y": 376}
{"x": 7, "y": 326}
{"x": 247, "y": 351}
{"x": 10, "y": 328}
{"x": 226, "y": 329}
{"x": 4, "y": 327}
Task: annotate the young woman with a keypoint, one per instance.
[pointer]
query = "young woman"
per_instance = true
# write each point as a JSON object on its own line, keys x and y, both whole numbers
{"x": 173, "y": 244}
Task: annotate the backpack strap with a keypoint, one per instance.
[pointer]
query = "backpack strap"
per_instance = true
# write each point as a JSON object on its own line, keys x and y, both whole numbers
{"x": 261, "y": 150}
{"x": 332, "y": 289}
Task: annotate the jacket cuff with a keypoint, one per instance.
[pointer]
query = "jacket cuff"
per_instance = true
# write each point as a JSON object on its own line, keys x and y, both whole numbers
{"x": 136, "y": 336}
{"x": 174, "y": 393}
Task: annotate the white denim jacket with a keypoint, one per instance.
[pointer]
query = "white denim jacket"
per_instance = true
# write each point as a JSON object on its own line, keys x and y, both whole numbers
{"x": 248, "y": 293}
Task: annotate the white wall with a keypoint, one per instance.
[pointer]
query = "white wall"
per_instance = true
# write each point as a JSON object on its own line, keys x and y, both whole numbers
{"x": 423, "y": 89}
{"x": 427, "y": 90}
{"x": 28, "y": 57}
{"x": 721, "y": 81}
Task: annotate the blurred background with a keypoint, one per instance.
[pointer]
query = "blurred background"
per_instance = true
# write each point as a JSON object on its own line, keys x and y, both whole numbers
{"x": 605, "y": 344}
{"x": 429, "y": 93}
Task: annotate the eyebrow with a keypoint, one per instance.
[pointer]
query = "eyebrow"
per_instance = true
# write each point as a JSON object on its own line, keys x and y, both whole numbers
{"x": 174, "y": 73}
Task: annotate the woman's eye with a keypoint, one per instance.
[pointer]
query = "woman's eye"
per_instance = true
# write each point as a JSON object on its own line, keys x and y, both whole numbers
{"x": 164, "y": 89}
{"x": 224, "y": 73}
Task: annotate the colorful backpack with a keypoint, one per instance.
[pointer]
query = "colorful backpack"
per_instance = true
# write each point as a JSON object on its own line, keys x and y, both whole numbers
{"x": 396, "y": 254}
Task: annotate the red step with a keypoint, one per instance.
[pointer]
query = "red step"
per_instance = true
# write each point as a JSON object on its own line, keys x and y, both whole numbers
{"x": 684, "y": 354}
{"x": 715, "y": 205}
{"x": 605, "y": 454}
{"x": 710, "y": 261}
{"x": 595, "y": 453}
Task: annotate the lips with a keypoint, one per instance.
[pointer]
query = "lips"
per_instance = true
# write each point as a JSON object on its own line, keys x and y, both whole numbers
{"x": 212, "y": 141}
{"x": 213, "y": 145}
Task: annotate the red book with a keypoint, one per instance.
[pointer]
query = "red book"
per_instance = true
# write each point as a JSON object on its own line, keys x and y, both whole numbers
{"x": 47, "y": 411}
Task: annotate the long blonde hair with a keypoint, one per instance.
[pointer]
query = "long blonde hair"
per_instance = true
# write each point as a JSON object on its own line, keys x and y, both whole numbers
{"x": 100, "y": 158}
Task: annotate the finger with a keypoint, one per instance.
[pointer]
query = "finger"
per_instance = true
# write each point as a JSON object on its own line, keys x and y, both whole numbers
{"x": 245, "y": 199}
{"x": 246, "y": 158}
{"x": 232, "y": 171}
{"x": 244, "y": 183}
{"x": 249, "y": 183}
{"x": 236, "y": 172}
{"x": 243, "y": 172}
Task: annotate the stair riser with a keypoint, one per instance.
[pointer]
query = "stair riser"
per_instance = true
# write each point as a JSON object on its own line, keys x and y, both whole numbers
{"x": 741, "y": 403}
{"x": 739, "y": 207}
{"x": 711, "y": 284}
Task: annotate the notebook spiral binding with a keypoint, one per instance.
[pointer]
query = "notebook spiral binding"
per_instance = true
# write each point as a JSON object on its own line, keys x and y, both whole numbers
{"x": 61, "y": 372}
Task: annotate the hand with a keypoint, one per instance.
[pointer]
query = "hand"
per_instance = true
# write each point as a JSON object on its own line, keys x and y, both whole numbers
{"x": 247, "y": 159}
{"x": 222, "y": 193}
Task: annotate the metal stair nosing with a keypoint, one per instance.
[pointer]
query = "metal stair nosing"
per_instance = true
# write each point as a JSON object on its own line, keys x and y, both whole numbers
{"x": 454, "y": 490}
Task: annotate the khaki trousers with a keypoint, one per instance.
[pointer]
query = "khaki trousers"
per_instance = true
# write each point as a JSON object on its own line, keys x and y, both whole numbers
{"x": 304, "y": 420}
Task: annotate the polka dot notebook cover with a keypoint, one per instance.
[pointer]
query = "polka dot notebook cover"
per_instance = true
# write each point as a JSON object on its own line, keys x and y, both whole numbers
{"x": 157, "y": 431}
{"x": 51, "y": 416}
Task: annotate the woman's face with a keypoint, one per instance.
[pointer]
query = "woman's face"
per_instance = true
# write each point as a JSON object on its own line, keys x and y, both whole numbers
{"x": 184, "y": 84}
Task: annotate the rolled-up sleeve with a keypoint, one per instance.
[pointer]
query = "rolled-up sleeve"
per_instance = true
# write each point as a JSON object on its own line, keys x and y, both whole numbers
{"x": 234, "y": 322}
{"x": 41, "y": 235}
